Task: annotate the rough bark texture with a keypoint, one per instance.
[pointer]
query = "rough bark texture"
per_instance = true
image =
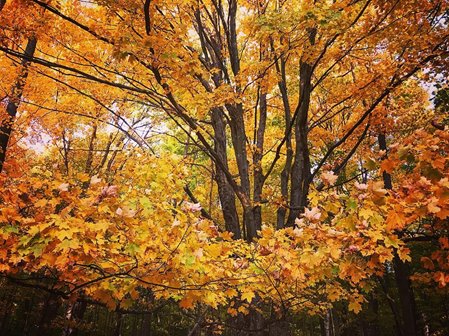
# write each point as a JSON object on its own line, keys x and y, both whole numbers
{"x": 300, "y": 173}
{"x": 225, "y": 191}
{"x": 286, "y": 171}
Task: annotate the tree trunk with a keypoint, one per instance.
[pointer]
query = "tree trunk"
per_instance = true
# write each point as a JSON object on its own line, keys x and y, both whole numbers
{"x": 257, "y": 160}
{"x": 286, "y": 171}
{"x": 14, "y": 100}
{"x": 49, "y": 313}
{"x": 300, "y": 174}
{"x": 75, "y": 314}
{"x": 118, "y": 324}
{"x": 406, "y": 297}
{"x": 225, "y": 191}
{"x": 370, "y": 318}
{"x": 238, "y": 135}
{"x": 401, "y": 271}
{"x": 327, "y": 324}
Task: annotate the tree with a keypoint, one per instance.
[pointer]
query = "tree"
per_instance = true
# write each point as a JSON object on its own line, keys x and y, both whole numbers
{"x": 265, "y": 113}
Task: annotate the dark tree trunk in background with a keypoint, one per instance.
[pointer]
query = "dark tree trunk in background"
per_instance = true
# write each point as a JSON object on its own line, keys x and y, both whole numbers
{"x": 386, "y": 176}
{"x": 118, "y": 324}
{"x": 76, "y": 315}
{"x": 406, "y": 297}
{"x": 401, "y": 270}
{"x": 49, "y": 312}
{"x": 146, "y": 325}
{"x": 370, "y": 318}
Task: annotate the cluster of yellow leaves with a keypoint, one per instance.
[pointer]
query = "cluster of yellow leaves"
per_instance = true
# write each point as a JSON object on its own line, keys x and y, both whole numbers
{"x": 110, "y": 239}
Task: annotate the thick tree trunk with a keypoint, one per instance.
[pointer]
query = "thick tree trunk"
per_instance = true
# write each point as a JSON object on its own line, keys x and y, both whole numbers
{"x": 14, "y": 100}
{"x": 225, "y": 191}
{"x": 238, "y": 135}
{"x": 406, "y": 297}
{"x": 300, "y": 173}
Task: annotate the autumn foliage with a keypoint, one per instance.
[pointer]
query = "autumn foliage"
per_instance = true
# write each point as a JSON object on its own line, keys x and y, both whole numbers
{"x": 250, "y": 160}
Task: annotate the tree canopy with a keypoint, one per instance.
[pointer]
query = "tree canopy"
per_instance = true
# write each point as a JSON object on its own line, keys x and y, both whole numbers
{"x": 250, "y": 160}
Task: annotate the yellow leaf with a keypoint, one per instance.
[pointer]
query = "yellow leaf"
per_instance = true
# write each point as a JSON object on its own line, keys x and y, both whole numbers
{"x": 248, "y": 296}
{"x": 186, "y": 302}
{"x": 404, "y": 254}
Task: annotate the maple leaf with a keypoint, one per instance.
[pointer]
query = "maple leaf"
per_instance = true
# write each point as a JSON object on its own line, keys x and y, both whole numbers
{"x": 427, "y": 263}
{"x": 125, "y": 212}
{"x": 388, "y": 165}
{"x": 444, "y": 241}
{"x": 187, "y": 302}
{"x": 248, "y": 296}
{"x": 199, "y": 253}
{"x": 404, "y": 254}
{"x": 313, "y": 214}
{"x": 355, "y": 306}
{"x": 432, "y": 205}
{"x": 298, "y": 232}
{"x": 232, "y": 311}
{"x": 329, "y": 177}
{"x": 109, "y": 191}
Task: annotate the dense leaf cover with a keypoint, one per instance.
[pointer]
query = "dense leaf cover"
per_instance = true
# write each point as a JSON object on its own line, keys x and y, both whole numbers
{"x": 227, "y": 155}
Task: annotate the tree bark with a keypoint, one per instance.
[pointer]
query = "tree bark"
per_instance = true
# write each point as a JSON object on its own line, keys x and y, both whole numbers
{"x": 14, "y": 100}
{"x": 286, "y": 171}
{"x": 118, "y": 323}
{"x": 225, "y": 191}
{"x": 257, "y": 160}
{"x": 238, "y": 135}
{"x": 370, "y": 318}
{"x": 406, "y": 297}
{"x": 300, "y": 176}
